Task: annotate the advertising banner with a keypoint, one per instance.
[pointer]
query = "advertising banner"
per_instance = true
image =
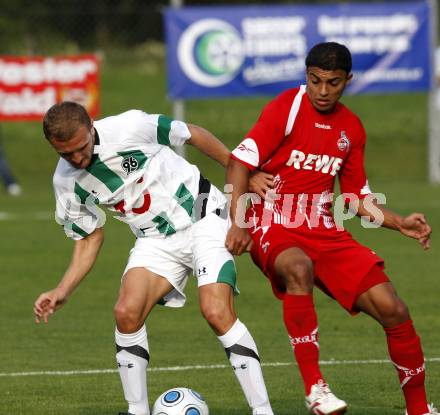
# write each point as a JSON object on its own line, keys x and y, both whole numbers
{"x": 245, "y": 50}
{"x": 30, "y": 85}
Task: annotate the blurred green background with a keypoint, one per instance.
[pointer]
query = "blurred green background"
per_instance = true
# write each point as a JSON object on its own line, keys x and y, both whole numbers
{"x": 34, "y": 253}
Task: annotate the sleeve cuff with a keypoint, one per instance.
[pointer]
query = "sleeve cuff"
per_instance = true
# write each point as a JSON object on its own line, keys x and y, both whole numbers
{"x": 249, "y": 166}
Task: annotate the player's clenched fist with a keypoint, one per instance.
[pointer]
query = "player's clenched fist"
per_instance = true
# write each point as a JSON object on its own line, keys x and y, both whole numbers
{"x": 238, "y": 240}
{"x": 47, "y": 303}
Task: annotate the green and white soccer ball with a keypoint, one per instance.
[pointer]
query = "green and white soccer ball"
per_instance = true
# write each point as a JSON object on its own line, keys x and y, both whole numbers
{"x": 180, "y": 401}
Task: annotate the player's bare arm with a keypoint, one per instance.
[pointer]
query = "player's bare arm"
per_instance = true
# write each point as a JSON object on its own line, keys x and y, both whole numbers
{"x": 414, "y": 225}
{"x": 208, "y": 144}
{"x": 84, "y": 255}
{"x": 259, "y": 182}
{"x": 237, "y": 239}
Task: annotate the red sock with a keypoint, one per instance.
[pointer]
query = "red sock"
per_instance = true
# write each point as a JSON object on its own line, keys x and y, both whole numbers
{"x": 302, "y": 325}
{"x": 407, "y": 355}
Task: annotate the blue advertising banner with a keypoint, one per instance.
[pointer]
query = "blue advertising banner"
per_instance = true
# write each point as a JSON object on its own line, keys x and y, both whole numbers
{"x": 247, "y": 50}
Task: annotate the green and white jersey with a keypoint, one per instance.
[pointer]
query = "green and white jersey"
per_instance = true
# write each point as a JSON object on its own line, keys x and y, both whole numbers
{"x": 135, "y": 174}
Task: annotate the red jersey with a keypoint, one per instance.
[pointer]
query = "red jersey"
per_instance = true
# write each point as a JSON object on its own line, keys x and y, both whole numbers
{"x": 305, "y": 150}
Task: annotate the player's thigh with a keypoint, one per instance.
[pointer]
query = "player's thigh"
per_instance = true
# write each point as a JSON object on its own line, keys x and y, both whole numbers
{"x": 161, "y": 257}
{"x": 284, "y": 257}
{"x": 215, "y": 270}
{"x": 342, "y": 266}
{"x": 212, "y": 262}
{"x": 140, "y": 290}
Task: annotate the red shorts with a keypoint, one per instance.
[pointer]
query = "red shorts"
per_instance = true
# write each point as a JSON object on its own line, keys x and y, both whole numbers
{"x": 342, "y": 266}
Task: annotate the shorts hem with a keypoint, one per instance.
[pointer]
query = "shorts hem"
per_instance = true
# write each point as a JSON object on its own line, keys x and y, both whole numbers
{"x": 174, "y": 301}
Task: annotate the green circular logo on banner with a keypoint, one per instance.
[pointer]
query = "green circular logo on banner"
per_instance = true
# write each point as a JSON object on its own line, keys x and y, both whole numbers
{"x": 216, "y": 53}
{"x": 210, "y": 52}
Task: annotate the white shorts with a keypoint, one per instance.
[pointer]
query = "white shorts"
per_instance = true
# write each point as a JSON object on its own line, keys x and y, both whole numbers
{"x": 199, "y": 250}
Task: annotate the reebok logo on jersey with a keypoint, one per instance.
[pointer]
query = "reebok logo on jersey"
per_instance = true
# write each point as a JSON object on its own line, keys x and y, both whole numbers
{"x": 323, "y": 126}
{"x": 317, "y": 162}
{"x": 242, "y": 147}
{"x": 247, "y": 151}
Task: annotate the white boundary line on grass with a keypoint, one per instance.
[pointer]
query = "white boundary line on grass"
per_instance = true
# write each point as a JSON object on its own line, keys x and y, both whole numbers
{"x": 199, "y": 367}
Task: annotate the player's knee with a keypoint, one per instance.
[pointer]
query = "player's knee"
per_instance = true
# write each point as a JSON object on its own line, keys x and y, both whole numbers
{"x": 401, "y": 312}
{"x": 218, "y": 316}
{"x": 128, "y": 320}
{"x": 213, "y": 313}
{"x": 393, "y": 313}
{"x": 299, "y": 274}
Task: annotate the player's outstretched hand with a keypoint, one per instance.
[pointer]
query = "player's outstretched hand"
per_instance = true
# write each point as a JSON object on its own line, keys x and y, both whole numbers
{"x": 415, "y": 226}
{"x": 238, "y": 240}
{"x": 260, "y": 183}
{"x": 47, "y": 303}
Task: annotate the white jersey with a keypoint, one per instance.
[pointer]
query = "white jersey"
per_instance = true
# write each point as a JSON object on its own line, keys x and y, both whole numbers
{"x": 136, "y": 175}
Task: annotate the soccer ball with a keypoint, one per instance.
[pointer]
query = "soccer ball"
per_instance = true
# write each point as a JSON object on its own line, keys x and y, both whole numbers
{"x": 180, "y": 401}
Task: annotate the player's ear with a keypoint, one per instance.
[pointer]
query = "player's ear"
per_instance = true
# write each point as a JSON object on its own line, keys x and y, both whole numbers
{"x": 349, "y": 78}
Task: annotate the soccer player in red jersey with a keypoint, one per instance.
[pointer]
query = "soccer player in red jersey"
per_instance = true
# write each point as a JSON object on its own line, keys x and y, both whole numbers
{"x": 303, "y": 140}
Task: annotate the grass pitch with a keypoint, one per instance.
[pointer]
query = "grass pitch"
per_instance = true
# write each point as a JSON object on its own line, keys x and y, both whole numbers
{"x": 34, "y": 253}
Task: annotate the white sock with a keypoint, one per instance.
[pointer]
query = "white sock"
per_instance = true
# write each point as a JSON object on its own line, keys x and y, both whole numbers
{"x": 243, "y": 355}
{"x": 132, "y": 357}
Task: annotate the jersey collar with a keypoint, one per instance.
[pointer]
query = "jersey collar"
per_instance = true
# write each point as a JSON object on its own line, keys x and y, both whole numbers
{"x": 97, "y": 143}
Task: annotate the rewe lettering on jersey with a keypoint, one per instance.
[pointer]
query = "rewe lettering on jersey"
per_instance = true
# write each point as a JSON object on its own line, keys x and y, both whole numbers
{"x": 318, "y": 162}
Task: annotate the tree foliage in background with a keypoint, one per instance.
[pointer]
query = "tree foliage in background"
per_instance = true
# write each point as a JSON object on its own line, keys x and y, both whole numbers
{"x": 55, "y": 26}
{"x": 52, "y": 25}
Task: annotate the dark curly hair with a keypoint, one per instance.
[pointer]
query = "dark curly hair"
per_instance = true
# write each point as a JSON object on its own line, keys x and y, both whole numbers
{"x": 329, "y": 56}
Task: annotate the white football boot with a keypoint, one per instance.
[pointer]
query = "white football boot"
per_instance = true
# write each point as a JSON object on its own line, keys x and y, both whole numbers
{"x": 432, "y": 410}
{"x": 321, "y": 401}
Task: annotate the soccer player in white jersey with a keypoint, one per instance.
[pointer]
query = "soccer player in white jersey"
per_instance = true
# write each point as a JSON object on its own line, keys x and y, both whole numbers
{"x": 125, "y": 163}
